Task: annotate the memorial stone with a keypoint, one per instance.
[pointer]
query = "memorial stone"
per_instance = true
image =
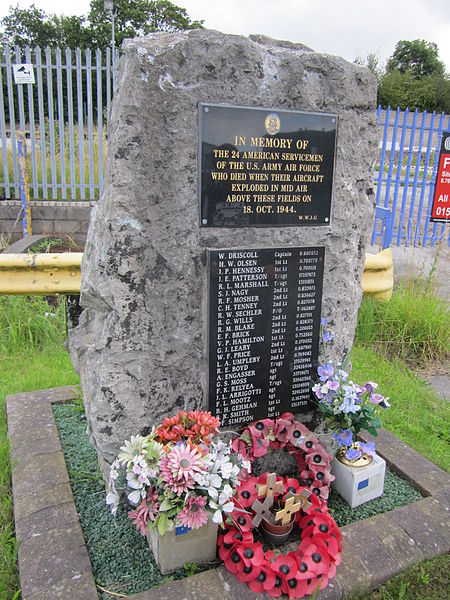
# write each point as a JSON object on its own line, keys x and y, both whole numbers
{"x": 148, "y": 343}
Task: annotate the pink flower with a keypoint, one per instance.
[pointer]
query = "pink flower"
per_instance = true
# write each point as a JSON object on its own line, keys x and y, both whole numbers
{"x": 193, "y": 514}
{"x": 179, "y": 466}
{"x": 146, "y": 511}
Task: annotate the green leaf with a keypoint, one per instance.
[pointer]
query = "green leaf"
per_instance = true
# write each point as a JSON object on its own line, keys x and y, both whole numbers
{"x": 163, "y": 523}
{"x": 165, "y": 505}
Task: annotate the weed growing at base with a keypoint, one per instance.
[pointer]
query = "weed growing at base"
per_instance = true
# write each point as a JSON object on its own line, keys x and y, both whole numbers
{"x": 413, "y": 326}
{"x": 30, "y": 323}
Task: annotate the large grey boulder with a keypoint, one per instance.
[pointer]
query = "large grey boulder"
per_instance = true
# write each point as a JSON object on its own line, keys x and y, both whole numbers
{"x": 140, "y": 345}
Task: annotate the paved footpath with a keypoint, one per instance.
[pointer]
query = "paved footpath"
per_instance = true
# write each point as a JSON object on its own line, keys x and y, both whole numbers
{"x": 53, "y": 559}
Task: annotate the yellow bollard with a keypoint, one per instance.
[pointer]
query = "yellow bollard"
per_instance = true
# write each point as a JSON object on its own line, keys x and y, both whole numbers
{"x": 378, "y": 276}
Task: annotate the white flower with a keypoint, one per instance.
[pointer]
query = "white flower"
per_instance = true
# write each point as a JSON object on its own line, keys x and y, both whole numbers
{"x": 228, "y": 507}
{"x": 133, "y": 481}
{"x": 132, "y": 448}
{"x": 217, "y": 517}
{"x": 134, "y": 497}
{"x": 112, "y": 500}
{"x": 225, "y": 494}
{"x": 226, "y": 469}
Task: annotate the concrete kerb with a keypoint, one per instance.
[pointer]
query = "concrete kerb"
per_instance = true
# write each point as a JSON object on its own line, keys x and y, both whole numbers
{"x": 53, "y": 558}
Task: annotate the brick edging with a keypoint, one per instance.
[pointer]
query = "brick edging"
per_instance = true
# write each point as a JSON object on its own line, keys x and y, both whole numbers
{"x": 54, "y": 562}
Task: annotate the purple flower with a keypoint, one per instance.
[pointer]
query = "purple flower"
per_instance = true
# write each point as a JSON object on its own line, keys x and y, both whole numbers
{"x": 325, "y": 372}
{"x": 333, "y": 385}
{"x": 368, "y": 448}
{"x": 323, "y": 321}
{"x": 327, "y": 336}
{"x": 370, "y": 386}
{"x": 380, "y": 400}
{"x": 352, "y": 454}
{"x": 344, "y": 438}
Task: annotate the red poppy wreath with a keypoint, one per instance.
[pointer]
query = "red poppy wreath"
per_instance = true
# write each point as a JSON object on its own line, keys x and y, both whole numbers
{"x": 297, "y": 573}
{"x": 314, "y": 463}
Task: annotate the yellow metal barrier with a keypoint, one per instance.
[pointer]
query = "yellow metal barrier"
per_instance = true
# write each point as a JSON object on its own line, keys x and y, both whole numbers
{"x": 58, "y": 273}
{"x": 378, "y": 276}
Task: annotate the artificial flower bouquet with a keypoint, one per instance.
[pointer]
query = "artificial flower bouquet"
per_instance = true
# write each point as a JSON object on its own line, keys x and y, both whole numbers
{"x": 347, "y": 407}
{"x": 181, "y": 474}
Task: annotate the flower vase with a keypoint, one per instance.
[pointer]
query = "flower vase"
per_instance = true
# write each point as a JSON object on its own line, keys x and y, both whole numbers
{"x": 183, "y": 545}
{"x": 360, "y": 480}
{"x": 276, "y": 534}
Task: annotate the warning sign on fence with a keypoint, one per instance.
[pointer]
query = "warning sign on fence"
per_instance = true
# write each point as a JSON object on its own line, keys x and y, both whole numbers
{"x": 23, "y": 73}
{"x": 441, "y": 201}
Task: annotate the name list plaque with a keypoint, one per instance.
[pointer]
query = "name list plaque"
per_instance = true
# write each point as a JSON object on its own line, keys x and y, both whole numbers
{"x": 265, "y": 167}
{"x": 263, "y": 331}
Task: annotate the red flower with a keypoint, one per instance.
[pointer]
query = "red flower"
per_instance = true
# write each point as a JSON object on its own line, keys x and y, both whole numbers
{"x": 241, "y": 447}
{"x": 260, "y": 429}
{"x": 265, "y": 580}
{"x": 248, "y": 573}
{"x": 247, "y": 492}
{"x": 260, "y": 446}
{"x": 234, "y": 562}
{"x": 242, "y": 519}
{"x": 252, "y": 554}
{"x": 314, "y": 555}
{"x": 283, "y": 430}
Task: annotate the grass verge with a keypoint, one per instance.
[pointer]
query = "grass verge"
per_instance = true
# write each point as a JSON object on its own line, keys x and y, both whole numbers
{"x": 427, "y": 581}
{"x": 32, "y": 357}
{"x": 417, "y": 415}
{"x": 413, "y": 326}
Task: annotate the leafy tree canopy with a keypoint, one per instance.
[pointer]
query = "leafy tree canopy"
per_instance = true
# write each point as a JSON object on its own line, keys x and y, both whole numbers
{"x": 414, "y": 77}
{"x": 33, "y": 27}
{"x": 418, "y": 58}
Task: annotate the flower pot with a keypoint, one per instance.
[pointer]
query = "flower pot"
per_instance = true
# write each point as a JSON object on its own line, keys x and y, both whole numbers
{"x": 359, "y": 484}
{"x": 182, "y": 545}
{"x": 276, "y": 534}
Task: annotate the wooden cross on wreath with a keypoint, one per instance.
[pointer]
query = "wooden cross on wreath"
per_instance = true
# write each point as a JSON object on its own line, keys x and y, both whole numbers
{"x": 292, "y": 505}
{"x": 271, "y": 487}
{"x": 262, "y": 511}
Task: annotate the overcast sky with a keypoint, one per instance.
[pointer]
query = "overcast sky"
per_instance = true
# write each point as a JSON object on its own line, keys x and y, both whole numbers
{"x": 348, "y": 28}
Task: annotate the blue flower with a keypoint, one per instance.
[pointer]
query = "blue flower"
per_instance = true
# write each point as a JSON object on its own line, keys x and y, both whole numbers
{"x": 323, "y": 321}
{"x": 325, "y": 372}
{"x": 368, "y": 448}
{"x": 352, "y": 454}
{"x": 327, "y": 336}
{"x": 344, "y": 438}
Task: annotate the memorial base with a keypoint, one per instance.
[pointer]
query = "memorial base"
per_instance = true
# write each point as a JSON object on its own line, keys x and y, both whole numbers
{"x": 358, "y": 485}
{"x": 177, "y": 547}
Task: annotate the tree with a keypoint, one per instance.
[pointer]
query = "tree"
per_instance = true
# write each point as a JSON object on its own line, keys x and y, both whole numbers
{"x": 414, "y": 77}
{"x": 136, "y": 17}
{"x": 33, "y": 27}
{"x": 418, "y": 58}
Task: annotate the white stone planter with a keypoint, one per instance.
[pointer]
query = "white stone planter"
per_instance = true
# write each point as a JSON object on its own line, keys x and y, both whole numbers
{"x": 358, "y": 485}
{"x": 177, "y": 547}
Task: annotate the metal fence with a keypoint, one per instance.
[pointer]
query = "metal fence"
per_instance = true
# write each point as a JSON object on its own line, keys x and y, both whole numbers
{"x": 64, "y": 115}
{"x": 405, "y": 176}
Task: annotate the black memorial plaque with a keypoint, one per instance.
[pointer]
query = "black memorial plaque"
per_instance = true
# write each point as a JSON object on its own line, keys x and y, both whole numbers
{"x": 265, "y": 167}
{"x": 263, "y": 331}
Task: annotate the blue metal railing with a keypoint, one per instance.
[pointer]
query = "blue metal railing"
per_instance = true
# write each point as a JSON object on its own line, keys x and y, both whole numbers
{"x": 66, "y": 111}
{"x": 405, "y": 177}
